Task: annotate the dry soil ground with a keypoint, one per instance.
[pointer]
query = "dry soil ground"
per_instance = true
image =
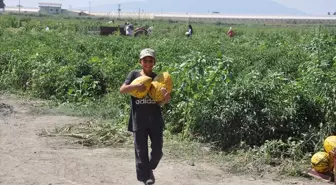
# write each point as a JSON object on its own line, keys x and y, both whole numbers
{"x": 29, "y": 159}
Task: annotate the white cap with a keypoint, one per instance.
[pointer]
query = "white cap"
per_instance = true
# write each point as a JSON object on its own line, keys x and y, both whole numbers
{"x": 147, "y": 53}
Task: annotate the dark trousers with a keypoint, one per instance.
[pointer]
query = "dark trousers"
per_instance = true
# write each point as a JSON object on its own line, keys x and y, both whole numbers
{"x": 144, "y": 163}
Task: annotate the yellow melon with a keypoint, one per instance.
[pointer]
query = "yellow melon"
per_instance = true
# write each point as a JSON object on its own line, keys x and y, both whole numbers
{"x": 329, "y": 143}
{"x": 321, "y": 162}
{"x": 146, "y": 81}
{"x": 155, "y": 91}
{"x": 165, "y": 79}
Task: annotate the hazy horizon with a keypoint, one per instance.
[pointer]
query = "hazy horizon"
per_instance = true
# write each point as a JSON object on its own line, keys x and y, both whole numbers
{"x": 312, "y": 7}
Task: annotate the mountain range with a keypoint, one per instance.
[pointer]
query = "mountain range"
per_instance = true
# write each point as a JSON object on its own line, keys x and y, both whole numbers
{"x": 243, "y": 7}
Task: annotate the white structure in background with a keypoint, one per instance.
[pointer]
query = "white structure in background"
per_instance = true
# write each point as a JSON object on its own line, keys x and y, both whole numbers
{"x": 50, "y": 8}
{"x": 243, "y": 19}
{"x": 212, "y": 18}
{"x": 22, "y": 9}
{"x": 223, "y": 18}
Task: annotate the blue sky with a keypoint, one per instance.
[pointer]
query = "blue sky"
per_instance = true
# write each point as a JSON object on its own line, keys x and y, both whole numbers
{"x": 311, "y": 6}
{"x": 317, "y": 7}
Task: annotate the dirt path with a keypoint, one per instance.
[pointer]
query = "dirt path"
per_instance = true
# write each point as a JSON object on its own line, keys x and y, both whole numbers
{"x": 28, "y": 159}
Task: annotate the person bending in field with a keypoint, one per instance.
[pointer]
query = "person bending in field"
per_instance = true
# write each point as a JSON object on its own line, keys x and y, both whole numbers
{"x": 145, "y": 120}
{"x": 230, "y": 33}
{"x": 129, "y": 29}
{"x": 190, "y": 31}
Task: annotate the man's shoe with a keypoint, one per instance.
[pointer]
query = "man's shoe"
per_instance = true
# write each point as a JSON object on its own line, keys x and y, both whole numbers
{"x": 151, "y": 179}
{"x": 141, "y": 183}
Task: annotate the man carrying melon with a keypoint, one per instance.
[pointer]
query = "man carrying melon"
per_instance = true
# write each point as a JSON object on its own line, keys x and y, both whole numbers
{"x": 148, "y": 93}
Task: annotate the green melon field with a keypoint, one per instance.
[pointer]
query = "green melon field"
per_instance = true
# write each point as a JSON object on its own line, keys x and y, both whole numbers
{"x": 270, "y": 89}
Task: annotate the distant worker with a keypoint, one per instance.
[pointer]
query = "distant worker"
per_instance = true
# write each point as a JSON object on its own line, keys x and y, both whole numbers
{"x": 129, "y": 29}
{"x": 190, "y": 31}
{"x": 230, "y": 33}
{"x": 150, "y": 30}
